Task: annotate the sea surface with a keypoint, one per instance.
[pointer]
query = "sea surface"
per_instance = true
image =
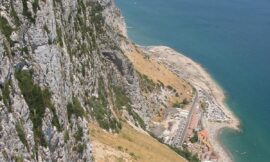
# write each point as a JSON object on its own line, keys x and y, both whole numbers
{"x": 231, "y": 40}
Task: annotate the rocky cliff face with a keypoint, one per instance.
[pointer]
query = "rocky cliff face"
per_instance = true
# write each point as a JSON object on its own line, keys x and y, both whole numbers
{"x": 62, "y": 65}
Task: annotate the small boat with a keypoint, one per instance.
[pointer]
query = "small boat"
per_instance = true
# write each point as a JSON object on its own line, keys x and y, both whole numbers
{"x": 243, "y": 153}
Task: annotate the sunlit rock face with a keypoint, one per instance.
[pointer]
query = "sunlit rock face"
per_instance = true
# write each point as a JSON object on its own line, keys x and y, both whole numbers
{"x": 63, "y": 64}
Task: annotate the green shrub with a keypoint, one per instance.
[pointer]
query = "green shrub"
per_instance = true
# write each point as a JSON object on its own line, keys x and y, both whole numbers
{"x": 132, "y": 154}
{"x": 24, "y": 50}
{"x": 18, "y": 158}
{"x": 47, "y": 101}
{"x": 146, "y": 84}
{"x": 33, "y": 96}
{"x": 79, "y": 134}
{"x": 27, "y": 13}
{"x": 96, "y": 17}
{"x": 101, "y": 112}
{"x": 14, "y": 15}
{"x": 35, "y": 5}
{"x": 120, "y": 148}
{"x": 185, "y": 101}
{"x": 136, "y": 117}
{"x": 56, "y": 1}
{"x": 83, "y": 70}
{"x": 66, "y": 136}
{"x": 194, "y": 139}
{"x": 160, "y": 84}
{"x": 178, "y": 105}
{"x": 59, "y": 35}
{"x": 79, "y": 148}
{"x": 45, "y": 27}
{"x": 5, "y": 28}
{"x": 21, "y": 134}
{"x": 99, "y": 106}
{"x": 6, "y": 93}
{"x": 75, "y": 108}
{"x": 182, "y": 104}
{"x": 122, "y": 100}
{"x": 6, "y": 50}
{"x": 203, "y": 105}
{"x": 115, "y": 125}
{"x": 185, "y": 153}
{"x": 37, "y": 101}
{"x": 103, "y": 116}
{"x": 170, "y": 87}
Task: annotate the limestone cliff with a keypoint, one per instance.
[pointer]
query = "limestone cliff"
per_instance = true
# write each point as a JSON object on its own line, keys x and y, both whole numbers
{"x": 63, "y": 63}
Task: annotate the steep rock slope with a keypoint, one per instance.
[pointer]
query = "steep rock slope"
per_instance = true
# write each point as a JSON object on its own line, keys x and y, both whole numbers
{"x": 62, "y": 64}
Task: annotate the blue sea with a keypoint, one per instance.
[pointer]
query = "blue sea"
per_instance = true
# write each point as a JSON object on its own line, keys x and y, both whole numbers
{"x": 231, "y": 39}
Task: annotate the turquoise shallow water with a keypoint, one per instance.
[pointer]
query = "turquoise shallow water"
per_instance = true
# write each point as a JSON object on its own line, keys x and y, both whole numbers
{"x": 231, "y": 39}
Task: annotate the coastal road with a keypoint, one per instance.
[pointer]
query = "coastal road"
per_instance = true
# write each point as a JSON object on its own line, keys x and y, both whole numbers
{"x": 189, "y": 117}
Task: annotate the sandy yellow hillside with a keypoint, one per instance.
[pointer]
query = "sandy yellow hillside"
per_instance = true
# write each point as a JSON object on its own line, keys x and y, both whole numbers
{"x": 158, "y": 73}
{"x": 129, "y": 145}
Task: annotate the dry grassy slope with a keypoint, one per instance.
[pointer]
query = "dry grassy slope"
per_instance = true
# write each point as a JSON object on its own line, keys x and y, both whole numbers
{"x": 129, "y": 145}
{"x": 157, "y": 72}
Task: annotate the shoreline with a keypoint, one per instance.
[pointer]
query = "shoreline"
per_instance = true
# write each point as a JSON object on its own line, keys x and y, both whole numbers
{"x": 226, "y": 150}
{"x": 199, "y": 78}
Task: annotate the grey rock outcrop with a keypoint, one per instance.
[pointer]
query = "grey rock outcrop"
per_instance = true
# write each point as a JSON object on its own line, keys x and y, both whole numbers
{"x": 67, "y": 52}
